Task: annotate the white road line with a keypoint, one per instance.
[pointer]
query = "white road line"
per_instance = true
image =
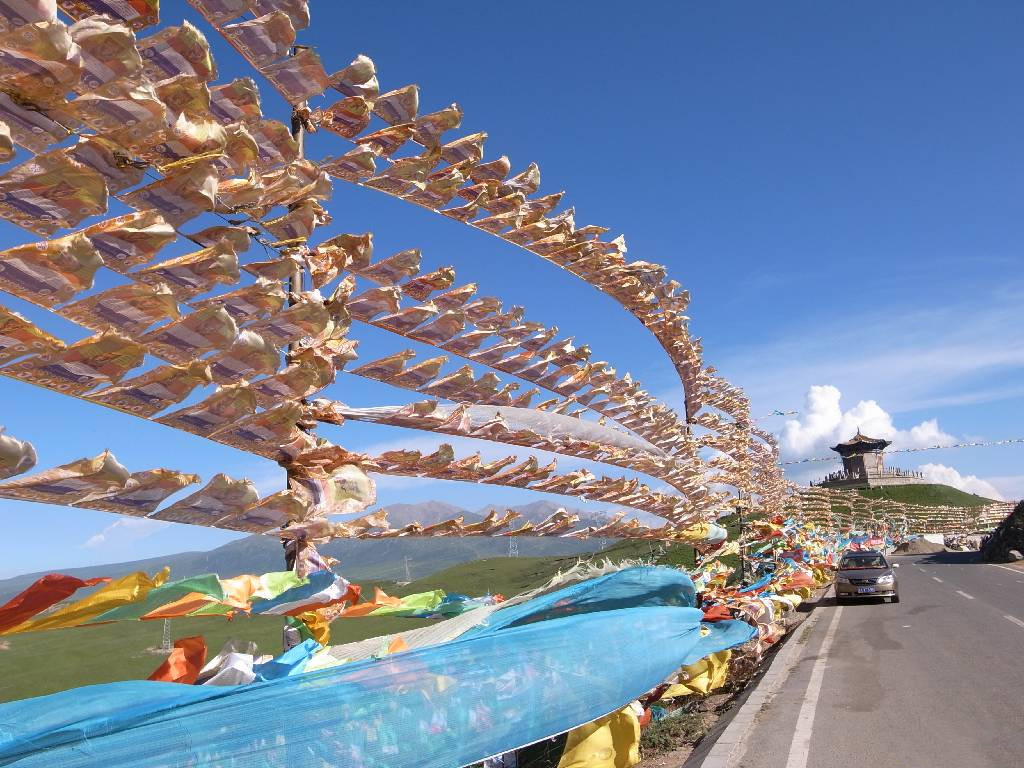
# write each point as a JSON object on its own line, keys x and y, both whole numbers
{"x": 800, "y": 747}
{"x": 1015, "y": 620}
{"x": 964, "y": 594}
{"x": 731, "y": 745}
{"x": 1018, "y": 571}
{"x": 938, "y": 579}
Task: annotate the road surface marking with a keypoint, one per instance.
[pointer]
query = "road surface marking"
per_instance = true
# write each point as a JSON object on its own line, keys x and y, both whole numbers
{"x": 1015, "y": 620}
{"x": 1018, "y": 571}
{"x": 938, "y": 579}
{"x": 964, "y": 594}
{"x": 800, "y": 747}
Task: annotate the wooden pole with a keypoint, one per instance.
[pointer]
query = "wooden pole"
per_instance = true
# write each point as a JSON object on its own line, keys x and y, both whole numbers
{"x": 743, "y": 559}
{"x": 295, "y": 286}
{"x": 295, "y": 278}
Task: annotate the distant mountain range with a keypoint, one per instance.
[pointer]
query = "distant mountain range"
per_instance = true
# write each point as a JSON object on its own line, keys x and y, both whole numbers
{"x": 430, "y": 512}
{"x": 360, "y": 560}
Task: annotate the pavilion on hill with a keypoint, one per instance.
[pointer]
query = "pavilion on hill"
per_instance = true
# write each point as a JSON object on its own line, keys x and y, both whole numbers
{"x": 864, "y": 465}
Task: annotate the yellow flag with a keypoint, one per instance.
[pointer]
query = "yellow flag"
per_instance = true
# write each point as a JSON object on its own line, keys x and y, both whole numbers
{"x": 128, "y": 589}
{"x": 609, "y": 742}
{"x": 702, "y": 676}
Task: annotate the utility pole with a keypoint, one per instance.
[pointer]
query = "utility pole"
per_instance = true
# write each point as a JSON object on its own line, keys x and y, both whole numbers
{"x": 743, "y": 548}
{"x": 290, "y": 636}
{"x": 295, "y": 279}
{"x": 299, "y": 134}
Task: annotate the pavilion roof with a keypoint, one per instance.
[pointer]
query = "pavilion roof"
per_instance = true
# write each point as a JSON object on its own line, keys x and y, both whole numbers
{"x": 860, "y": 444}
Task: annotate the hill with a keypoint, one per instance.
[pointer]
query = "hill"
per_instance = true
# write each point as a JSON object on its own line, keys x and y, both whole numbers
{"x": 512, "y": 575}
{"x": 360, "y": 560}
{"x": 539, "y": 510}
{"x": 425, "y": 512}
{"x": 926, "y": 494}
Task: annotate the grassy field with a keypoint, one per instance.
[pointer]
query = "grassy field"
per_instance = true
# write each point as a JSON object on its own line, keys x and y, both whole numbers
{"x": 38, "y": 663}
{"x": 926, "y": 495}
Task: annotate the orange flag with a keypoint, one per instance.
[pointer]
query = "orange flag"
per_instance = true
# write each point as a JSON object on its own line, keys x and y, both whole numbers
{"x": 184, "y": 663}
{"x": 364, "y": 609}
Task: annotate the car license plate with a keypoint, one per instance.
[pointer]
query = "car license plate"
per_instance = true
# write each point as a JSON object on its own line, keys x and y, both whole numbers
{"x": 865, "y": 590}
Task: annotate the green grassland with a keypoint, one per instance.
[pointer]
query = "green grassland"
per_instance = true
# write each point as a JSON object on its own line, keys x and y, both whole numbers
{"x": 926, "y": 495}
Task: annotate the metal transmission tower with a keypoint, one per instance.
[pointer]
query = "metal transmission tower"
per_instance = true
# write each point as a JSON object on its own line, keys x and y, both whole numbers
{"x": 408, "y": 573}
{"x": 513, "y": 547}
{"x": 166, "y": 645}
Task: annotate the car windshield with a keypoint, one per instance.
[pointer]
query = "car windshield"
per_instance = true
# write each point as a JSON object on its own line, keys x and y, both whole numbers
{"x": 862, "y": 561}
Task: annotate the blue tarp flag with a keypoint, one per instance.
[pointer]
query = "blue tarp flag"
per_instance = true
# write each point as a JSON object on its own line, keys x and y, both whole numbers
{"x": 762, "y": 582}
{"x": 291, "y": 662}
{"x": 628, "y": 588}
{"x": 445, "y": 705}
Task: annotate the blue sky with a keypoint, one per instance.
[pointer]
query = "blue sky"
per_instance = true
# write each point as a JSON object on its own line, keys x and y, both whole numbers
{"x": 837, "y": 185}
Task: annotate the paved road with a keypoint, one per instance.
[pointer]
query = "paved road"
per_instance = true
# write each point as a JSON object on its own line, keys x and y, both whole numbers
{"x": 936, "y": 680}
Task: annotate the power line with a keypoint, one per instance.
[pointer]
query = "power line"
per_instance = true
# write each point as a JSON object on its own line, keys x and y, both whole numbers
{"x": 978, "y": 444}
{"x": 776, "y": 413}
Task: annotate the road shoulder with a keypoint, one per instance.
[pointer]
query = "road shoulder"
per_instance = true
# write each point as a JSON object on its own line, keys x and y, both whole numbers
{"x": 726, "y": 742}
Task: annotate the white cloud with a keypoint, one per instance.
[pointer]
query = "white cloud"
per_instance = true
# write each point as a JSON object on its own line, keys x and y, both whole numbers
{"x": 1010, "y": 486}
{"x": 940, "y": 473}
{"x": 823, "y": 422}
{"x": 943, "y": 356}
{"x": 124, "y": 530}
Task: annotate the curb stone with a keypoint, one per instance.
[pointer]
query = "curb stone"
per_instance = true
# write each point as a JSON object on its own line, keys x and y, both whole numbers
{"x": 731, "y": 742}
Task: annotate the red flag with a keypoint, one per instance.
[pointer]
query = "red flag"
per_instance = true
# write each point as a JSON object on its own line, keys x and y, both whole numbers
{"x": 717, "y": 613}
{"x": 47, "y": 591}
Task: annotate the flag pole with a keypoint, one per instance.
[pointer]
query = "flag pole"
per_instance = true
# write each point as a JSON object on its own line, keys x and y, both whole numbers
{"x": 298, "y": 131}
